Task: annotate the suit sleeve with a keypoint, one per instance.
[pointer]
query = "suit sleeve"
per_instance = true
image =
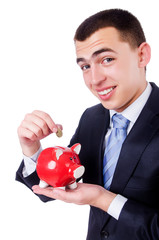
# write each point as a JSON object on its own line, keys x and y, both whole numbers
{"x": 29, "y": 181}
{"x": 140, "y": 220}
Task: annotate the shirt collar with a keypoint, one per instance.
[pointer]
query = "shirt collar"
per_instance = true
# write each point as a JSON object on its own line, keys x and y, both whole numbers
{"x": 133, "y": 111}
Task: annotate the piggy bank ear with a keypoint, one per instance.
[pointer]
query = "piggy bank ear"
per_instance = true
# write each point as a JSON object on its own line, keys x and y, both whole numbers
{"x": 76, "y": 148}
{"x": 59, "y": 152}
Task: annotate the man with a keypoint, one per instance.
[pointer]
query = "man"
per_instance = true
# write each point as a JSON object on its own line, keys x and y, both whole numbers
{"x": 113, "y": 54}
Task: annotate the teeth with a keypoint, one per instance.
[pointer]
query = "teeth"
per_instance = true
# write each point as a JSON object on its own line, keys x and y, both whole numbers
{"x": 105, "y": 91}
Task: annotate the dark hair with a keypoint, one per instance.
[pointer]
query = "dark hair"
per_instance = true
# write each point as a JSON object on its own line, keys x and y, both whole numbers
{"x": 127, "y": 24}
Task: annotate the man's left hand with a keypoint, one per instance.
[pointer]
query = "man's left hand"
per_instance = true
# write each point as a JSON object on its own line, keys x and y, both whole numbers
{"x": 90, "y": 194}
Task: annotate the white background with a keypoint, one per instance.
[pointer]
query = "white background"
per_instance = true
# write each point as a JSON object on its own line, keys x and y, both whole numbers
{"x": 38, "y": 71}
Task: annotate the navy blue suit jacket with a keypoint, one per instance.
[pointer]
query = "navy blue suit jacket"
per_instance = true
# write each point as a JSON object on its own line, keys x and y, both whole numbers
{"x": 136, "y": 176}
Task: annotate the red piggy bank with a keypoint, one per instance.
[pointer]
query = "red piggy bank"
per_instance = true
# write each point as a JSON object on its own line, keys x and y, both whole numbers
{"x": 59, "y": 167}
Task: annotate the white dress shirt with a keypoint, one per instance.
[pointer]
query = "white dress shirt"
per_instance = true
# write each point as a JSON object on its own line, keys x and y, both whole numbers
{"x": 131, "y": 113}
{"x": 30, "y": 163}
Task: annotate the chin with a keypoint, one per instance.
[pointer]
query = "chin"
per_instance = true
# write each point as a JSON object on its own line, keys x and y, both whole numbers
{"x": 110, "y": 106}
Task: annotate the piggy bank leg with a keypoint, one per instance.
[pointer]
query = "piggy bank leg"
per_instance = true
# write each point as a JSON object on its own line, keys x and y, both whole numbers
{"x": 62, "y": 188}
{"x": 43, "y": 184}
{"x": 72, "y": 186}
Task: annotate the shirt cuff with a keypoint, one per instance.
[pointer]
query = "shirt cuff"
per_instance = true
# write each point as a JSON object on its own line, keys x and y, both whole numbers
{"x": 30, "y": 163}
{"x": 116, "y": 206}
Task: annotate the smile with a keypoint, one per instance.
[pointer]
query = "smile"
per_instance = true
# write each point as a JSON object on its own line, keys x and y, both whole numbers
{"x": 106, "y": 91}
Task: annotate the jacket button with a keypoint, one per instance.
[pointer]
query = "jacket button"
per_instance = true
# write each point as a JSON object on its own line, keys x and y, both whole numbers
{"x": 104, "y": 234}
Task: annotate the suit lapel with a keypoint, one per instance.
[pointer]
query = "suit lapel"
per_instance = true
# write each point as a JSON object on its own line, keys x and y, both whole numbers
{"x": 135, "y": 143}
{"x": 101, "y": 129}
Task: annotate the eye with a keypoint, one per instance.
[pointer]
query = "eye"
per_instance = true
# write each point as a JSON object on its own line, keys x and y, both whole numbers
{"x": 74, "y": 157}
{"x": 107, "y": 60}
{"x": 70, "y": 158}
{"x": 85, "y": 67}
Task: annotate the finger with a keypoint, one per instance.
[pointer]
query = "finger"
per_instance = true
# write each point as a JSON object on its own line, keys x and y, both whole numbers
{"x": 25, "y": 133}
{"x": 33, "y": 121}
{"x": 59, "y": 126}
{"x": 50, "y": 192}
{"x": 46, "y": 118}
{"x": 34, "y": 128}
{"x": 53, "y": 127}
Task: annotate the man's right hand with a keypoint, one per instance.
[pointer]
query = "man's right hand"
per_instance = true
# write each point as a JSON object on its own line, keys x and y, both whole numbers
{"x": 35, "y": 126}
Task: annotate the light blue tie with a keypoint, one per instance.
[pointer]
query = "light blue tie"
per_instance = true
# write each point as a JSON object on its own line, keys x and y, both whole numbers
{"x": 113, "y": 147}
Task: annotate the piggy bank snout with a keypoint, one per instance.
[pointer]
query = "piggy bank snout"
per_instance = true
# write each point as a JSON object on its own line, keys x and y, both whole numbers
{"x": 78, "y": 172}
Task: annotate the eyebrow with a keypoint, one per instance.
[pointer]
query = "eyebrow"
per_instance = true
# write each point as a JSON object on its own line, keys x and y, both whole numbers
{"x": 96, "y": 53}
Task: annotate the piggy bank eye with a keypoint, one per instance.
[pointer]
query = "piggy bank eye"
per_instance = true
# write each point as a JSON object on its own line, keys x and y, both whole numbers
{"x": 74, "y": 157}
{"x": 70, "y": 158}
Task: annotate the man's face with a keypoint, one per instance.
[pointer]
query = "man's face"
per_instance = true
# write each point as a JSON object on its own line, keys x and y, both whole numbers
{"x": 111, "y": 68}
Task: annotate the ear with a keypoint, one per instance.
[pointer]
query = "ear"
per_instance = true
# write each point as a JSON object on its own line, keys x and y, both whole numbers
{"x": 59, "y": 152}
{"x": 76, "y": 148}
{"x": 144, "y": 53}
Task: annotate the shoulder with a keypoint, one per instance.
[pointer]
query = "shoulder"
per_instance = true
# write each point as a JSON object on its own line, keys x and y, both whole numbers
{"x": 153, "y": 99}
{"x": 95, "y": 110}
{"x": 155, "y": 89}
{"x": 94, "y": 116}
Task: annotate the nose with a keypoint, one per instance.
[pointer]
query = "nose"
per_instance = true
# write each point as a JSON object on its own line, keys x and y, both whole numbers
{"x": 97, "y": 74}
{"x": 79, "y": 172}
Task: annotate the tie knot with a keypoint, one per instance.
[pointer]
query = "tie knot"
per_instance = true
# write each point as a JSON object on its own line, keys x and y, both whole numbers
{"x": 119, "y": 121}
